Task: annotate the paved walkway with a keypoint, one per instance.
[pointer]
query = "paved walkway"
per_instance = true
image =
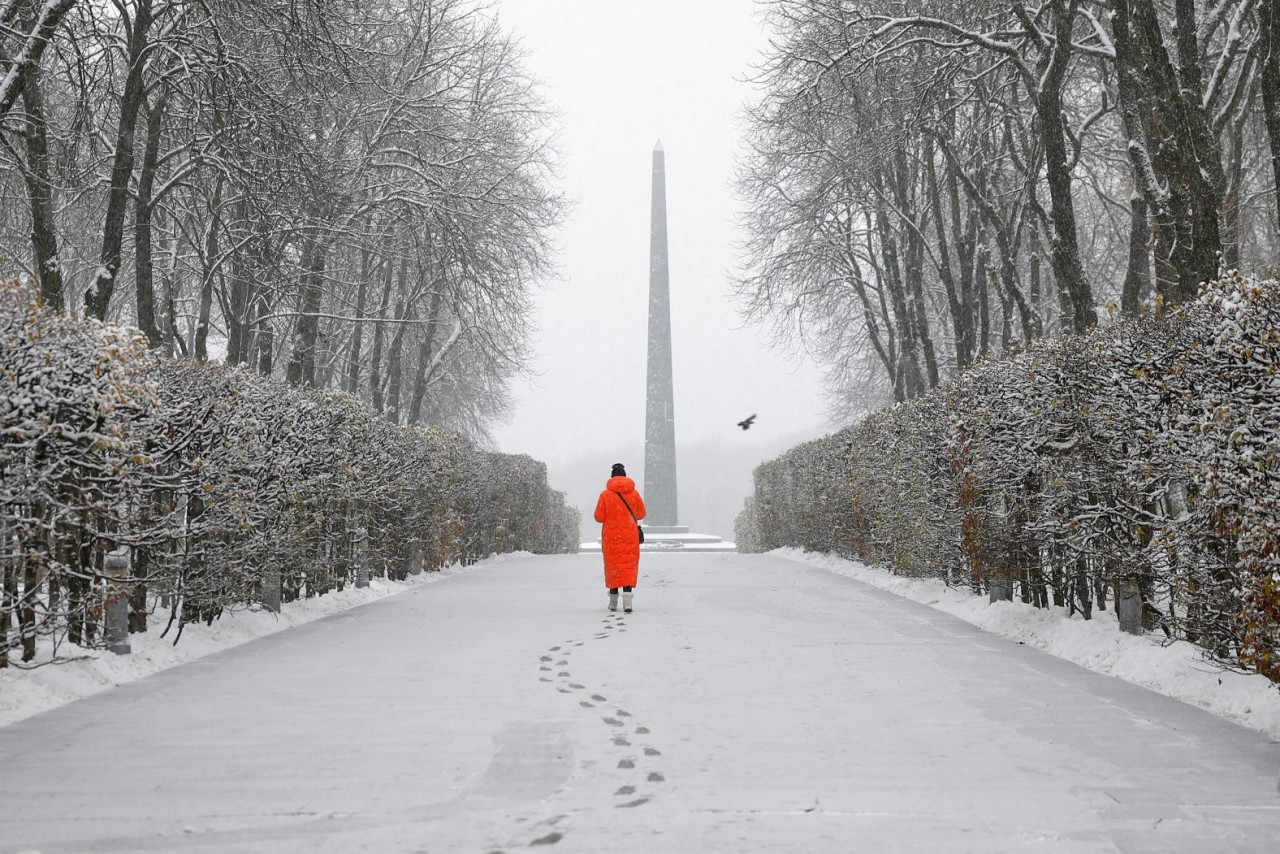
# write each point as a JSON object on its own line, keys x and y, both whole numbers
{"x": 750, "y": 704}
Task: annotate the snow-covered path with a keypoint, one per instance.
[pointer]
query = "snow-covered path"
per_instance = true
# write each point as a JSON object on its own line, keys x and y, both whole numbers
{"x": 750, "y": 704}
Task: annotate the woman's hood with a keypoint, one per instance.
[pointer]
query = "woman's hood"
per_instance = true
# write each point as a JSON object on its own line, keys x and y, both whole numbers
{"x": 621, "y": 484}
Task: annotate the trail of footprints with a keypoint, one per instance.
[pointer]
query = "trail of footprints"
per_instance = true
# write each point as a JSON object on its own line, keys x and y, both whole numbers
{"x": 622, "y": 727}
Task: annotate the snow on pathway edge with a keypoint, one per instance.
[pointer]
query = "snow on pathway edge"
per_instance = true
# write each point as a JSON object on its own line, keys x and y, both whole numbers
{"x": 1176, "y": 670}
{"x": 24, "y": 693}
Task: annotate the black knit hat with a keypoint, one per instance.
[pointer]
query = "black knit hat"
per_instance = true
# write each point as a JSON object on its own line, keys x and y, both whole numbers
{"x": 618, "y": 470}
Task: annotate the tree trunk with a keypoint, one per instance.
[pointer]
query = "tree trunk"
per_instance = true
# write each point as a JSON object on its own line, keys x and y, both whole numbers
{"x": 887, "y": 347}
{"x": 1269, "y": 17}
{"x": 965, "y": 234}
{"x": 908, "y": 381}
{"x": 1171, "y": 145}
{"x": 138, "y": 590}
{"x": 1202, "y": 155}
{"x": 425, "y": 348}
{"x": 27, "y": 605}
{"x": 913, "y": 271}
{"x": 1137, "y": 278}
{"x": 8, "y": 601}
{"x": 1232, "y": 209}
{"x": 144, "y": 268}
{"x": 351, "y": 383}
{"x": 210, "y": 269}
{"x": 375, "y": 360}
{"x": 395, "y": 365}
{"x": 265, "y": 336}
{"x": 240, "y": 299}
{"x": 1034, "y": 291}
{"x": 167, "y": 317}
{"x": 98, "y": 298}
{"x": 961, "y": 328}
{"x": 237, "y": 315}
{"x": 44, "y": 233}
{"x": 1005, "y": 237}
{"x": 883, "y": 342}
{"x": 983, "y": 299}
{"x": 302, "y": 366}
{"x": 1065, "y": 251}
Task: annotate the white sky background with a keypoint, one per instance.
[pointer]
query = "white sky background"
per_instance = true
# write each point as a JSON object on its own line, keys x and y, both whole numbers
{"x": 622, "y": 76}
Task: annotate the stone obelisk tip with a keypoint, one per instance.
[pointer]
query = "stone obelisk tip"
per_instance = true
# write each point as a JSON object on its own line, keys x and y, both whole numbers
{"x": 658, "y": 147}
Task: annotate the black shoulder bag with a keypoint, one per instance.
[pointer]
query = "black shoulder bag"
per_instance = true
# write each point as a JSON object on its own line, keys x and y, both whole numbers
{"x": 633, "y": 515}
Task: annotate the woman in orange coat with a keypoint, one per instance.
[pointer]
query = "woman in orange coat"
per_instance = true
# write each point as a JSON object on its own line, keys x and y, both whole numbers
{"x": 620, "y": 510}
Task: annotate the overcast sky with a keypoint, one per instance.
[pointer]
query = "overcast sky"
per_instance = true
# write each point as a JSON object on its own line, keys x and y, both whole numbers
{"x": 622, "y": 76}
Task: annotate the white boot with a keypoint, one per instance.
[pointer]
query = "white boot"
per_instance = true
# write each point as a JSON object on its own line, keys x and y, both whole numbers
{"x": 613, "y": 601}
{"x": 626, "y": 602}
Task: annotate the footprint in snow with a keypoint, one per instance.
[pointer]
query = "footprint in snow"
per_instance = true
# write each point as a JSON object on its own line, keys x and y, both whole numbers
{"x": 550, "y": 839}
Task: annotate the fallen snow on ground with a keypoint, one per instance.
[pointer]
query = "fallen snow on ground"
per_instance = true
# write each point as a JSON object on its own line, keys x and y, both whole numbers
{"x": 24, "y": 693}
{"x": 1175, "y": 669}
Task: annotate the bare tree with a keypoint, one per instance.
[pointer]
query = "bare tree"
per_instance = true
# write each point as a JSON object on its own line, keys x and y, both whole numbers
{"x": 26, "y": 29}
{"x": 1010, "y": 167}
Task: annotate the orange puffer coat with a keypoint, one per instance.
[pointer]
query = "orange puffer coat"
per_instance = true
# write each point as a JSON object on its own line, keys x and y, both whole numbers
{"x": 619, "y": 539}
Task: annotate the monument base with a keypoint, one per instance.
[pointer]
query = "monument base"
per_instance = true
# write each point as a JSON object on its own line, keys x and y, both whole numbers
{"x": 673, "y": 539}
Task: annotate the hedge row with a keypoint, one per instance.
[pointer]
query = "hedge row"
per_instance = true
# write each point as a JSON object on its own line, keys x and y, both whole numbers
{"x": 1144, "y": 457}
{"x": 223, "y": 489}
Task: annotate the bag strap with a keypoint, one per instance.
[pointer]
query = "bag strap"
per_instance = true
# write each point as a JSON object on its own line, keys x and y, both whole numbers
{"x": 629, "y": 510}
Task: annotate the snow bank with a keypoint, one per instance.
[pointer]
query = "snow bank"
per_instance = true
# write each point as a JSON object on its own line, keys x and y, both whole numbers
{"x": 24, "y": 693}
{"x": 1174, "y": 669}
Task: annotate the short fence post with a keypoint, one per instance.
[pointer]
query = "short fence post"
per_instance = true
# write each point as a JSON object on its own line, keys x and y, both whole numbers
{"x": 116, "y": 564}
{"x": 271, "y": 592}
{"x": 1129, "y": 606}
{"x": 362, "y": 557}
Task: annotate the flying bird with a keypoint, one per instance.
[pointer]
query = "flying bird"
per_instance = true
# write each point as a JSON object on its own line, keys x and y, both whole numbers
{"x": 746, "y": 423}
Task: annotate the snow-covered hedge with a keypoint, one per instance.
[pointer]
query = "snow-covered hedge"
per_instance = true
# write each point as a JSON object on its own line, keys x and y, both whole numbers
{"x": 1144, "y": 457}
{"x": 225, "y": 489}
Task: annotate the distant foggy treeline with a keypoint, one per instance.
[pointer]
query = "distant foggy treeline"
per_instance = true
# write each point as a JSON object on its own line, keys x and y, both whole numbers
{"x": 348, "y": 194}
{"x": 932, "y": 182}
{"x": 713, "y": 479}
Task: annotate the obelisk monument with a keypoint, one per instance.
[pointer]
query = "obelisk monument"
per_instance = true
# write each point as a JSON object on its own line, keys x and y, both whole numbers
{"x": 660, "y": 415}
